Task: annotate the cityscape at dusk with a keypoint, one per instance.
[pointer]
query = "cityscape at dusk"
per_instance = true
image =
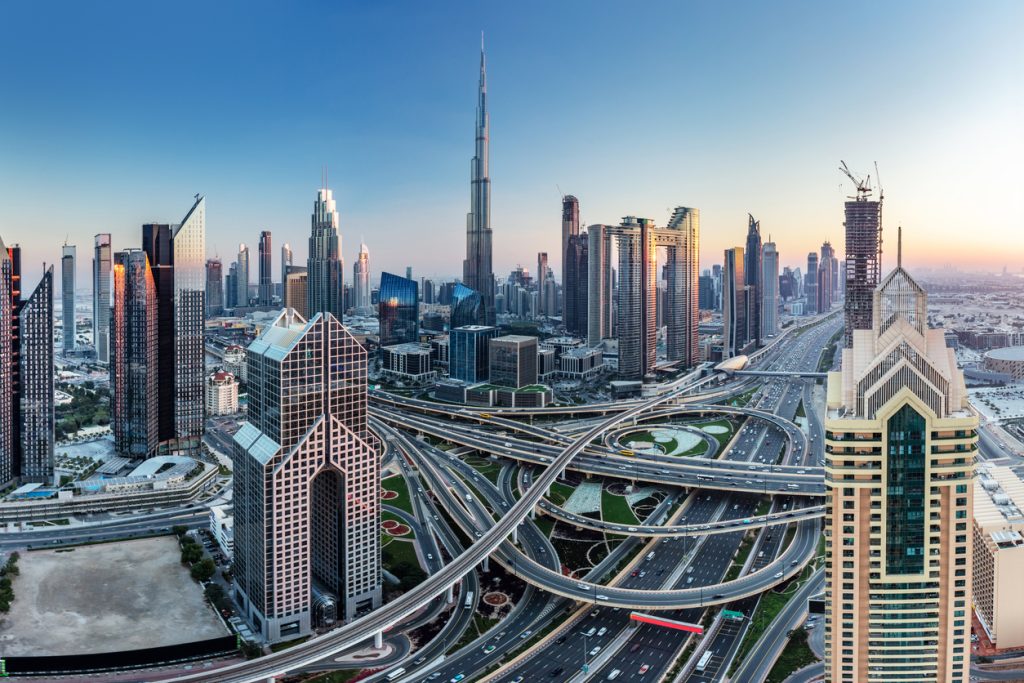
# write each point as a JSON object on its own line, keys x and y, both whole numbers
{"x": 466, "y": 342}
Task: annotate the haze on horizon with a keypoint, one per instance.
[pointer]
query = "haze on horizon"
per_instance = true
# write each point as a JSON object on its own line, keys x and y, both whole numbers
{"x": 116, "y": 114}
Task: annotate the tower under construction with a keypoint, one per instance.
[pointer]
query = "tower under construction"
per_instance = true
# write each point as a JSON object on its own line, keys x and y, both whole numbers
{"x": 863, "y": 224}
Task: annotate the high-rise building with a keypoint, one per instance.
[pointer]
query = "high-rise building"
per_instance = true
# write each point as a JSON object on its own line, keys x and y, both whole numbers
{"x": 752, "y": 273}
{"x": 214, "y": 288}
{"x": 26, "y": 374}
{"x": 398, "y": 310}
{"x": 296, "y": 289}
{"x": 735, "y": 323}
{"x": 231, "y": 286}
{"x": 636, "y": 327}
{"x": 706, "y": 289}
{"x": 900, "y": 440}
{"x": 361, "y": 281}
{"x": 175, "y": 259}
{"x": 133, "y": 356}
{"x": 307, "y": 479}
{"x": 769, "y": 289}
{"x": 574, "y": 284}
{"x": 266, "y": 281}
{"x": 101, "y": 265}
{"x": 67, "y": 295}
{"x": 570, "y": 229}
{"x": 811, "y": 284}
{"x": 242, "y": 277}
{"x": 512, "y": 360}
{"x": 465, "y": 304}
{"x": 468, "y": 352}
{"x": 427, "y": 291}
{"x": 408, "y": 272}
{"x": 682, "y": 290}
{"x": 826, "y": 277}
{"x": 286, "y": 262}
{"x": 326, "y": 280}
{"x": 543, "y": 274}
{"x": 478, "y": 272}
{"x": 863, "y": 259}
{"x": 716, "y": 277}
{"x": 35, "y": 396}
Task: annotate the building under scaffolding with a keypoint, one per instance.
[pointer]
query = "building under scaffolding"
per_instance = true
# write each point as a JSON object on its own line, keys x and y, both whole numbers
{"x": 863, "y": 254}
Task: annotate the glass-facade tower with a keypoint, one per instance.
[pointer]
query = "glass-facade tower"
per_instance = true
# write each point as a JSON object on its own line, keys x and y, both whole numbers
{"x": 398, "y": 310}
{"x": 465, "y": 306}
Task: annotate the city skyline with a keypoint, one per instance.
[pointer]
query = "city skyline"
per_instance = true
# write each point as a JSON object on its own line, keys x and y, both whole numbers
{"x": 780, "y": 165}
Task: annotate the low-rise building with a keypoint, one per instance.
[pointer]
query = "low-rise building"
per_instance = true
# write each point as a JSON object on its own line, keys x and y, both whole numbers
{"x": 222, "y": 526}
{"x": 1008, "y": 361}
{"x": 999, "y": 554}
{"x": 547, "y": 364}
{"x": 234, "y": 361}
{"x": 221, "y": 394}
{"x": 409, "y": 362}
{"x": 581, "y": 364}
{"x": 513, "y": 360}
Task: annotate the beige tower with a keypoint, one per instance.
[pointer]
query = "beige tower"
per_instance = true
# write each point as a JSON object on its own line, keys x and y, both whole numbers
{"x": 899, "y": 460}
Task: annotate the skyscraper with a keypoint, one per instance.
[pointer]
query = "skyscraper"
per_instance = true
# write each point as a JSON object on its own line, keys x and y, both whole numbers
{"x": 570, "y": 229}
{"x": 324, "y": 265}
{"x": 752, "y": 273}
{"x": 101, "y": 265}
{"x": 214, "y": 288}
{"x": 826, "y": 277}
{"x": 266, "y": 281}
{"x": 769, "y": 289}
{"x": 286, "y": 260}
{"x": 67, "y": 295}
{"x": 574, "y": 285}
{"x": 361, "y": 281}
{"x": 133, "y": 363}
{"x": 735, "y": 321}
{"x": 175, "y": 259}
{"x": 231, "y": 286}
{"x": 242, "y": 277}
{"x": 900, "y": 440}
{"x": 398, "y": 310}
{"x": 682, "y": 288}
{"x": 543, "y": 274}
{"x": 307, "y": 479}
{"x": 35, "y": 398}
{"x": 811, "y": 284}
{"x": 469, "y": 352}
{"x": 478, "y": 272}
{"x": 465, "y": 306}
{"x": 863, "y": 227}
{"x": 26, "y": 374}
{"x": 296, "y": 288}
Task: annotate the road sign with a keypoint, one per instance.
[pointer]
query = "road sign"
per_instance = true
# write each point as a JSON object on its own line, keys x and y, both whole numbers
{"x": 733, "y": 615}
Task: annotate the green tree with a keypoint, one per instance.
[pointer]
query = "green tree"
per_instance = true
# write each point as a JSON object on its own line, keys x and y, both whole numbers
{"x": 214, "y": 593}
{"x": 203, "y": 570}
{"x": 179, "y": 530}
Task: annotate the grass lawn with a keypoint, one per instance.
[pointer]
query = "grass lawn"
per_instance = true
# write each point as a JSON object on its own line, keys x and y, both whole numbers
{"x": 486, "y": 467}
{"x": 737, "y": 564}
{"x": 560, "y": 493}
{"x": 397, "y": 484}
{"x": 399, "y": 550}
{"x": 795, "y": 656}
{"x": 722, "y": 438}
{"x": 343, "y": 676}
{"x": 616, "y": 509}
{"x": 277, "y": 647}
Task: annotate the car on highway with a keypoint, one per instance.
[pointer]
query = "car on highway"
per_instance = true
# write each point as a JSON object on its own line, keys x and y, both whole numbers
{"x": 456, "y": 678}
{"x": 489, "y": 649}
{"x": 525, "y": 634}
{"x": 644, "y": 669}
{"x": 603, "y": 630}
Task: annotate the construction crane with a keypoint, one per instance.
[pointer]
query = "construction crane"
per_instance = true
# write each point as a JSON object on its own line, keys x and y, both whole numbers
{"x": 863, "y": 186}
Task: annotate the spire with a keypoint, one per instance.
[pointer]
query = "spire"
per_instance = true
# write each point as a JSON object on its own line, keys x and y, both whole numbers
{"x": 899, "y": 247}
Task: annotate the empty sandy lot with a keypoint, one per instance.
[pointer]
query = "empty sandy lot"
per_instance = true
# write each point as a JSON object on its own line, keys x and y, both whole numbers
{"x": 100, "y": 598}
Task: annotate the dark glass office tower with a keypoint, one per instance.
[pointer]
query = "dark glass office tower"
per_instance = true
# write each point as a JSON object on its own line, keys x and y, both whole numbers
{"x": 214, "y": 288}
{"x": 574, "y": 285}
{"x": 752, "y": 273}
{"x": 398, "y": 310}
{"x": 156, "y": 242}
{"x": 465, "y": 306}
{"x": 266, "y": 288}
{"x": 101, "y": 263}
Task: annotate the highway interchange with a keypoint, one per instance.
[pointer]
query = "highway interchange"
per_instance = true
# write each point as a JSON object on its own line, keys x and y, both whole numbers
{"x": 675, "y": 560}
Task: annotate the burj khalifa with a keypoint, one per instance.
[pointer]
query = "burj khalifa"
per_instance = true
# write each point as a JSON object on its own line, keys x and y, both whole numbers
{"x": 477, "y": 271}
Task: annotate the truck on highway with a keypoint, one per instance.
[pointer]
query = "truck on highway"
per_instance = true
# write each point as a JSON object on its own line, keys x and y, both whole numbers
{"x": 396, "y": 674}
{"x": 469, "y": 600}
{"x": 705, "y": 659}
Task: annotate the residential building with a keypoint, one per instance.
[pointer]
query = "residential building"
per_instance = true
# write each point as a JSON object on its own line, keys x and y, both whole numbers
{"x": 35, "y": 396}
{"x": 811, "y": 284}
{"x": 101, "y": 266}
{"x": 512, "y": 360}
{"x": 221, "y": 394}
{"x": 468, "y": 352}
{"x": 900, "y": 440}
{"x": 769, "y": 289}
{"x": 306, "y": 480}
{"x": 324, "y": 267}
{"x": 361, "y": 282}
{"x": 998, "y": 560}
{"x": 242, "y": 277}
{"x": 398, "y": 310}
{"x": 67, "y": 295}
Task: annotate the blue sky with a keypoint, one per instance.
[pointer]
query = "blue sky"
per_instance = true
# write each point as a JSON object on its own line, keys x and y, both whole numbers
{"x": 114, "y": 114}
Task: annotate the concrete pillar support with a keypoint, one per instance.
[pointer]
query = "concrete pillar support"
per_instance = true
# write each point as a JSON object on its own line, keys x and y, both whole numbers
{"x": 378, "y": 640}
